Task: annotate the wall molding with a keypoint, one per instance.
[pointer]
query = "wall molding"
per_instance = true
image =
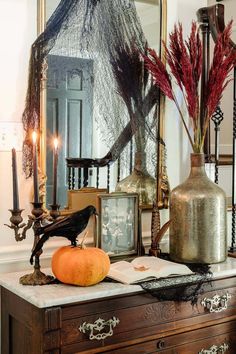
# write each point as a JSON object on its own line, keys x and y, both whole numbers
{"x": 16, "y": 257}
{"x": 224, "y": 149}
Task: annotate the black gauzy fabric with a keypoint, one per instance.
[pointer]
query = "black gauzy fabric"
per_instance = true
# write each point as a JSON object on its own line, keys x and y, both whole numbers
{"x": 39, "y": 50}
{"x": 180, "y": 288}
{"x": 89, "y": 29}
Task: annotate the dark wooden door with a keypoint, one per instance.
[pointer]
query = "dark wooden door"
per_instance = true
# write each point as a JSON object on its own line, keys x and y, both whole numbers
{"x": 69, "y": 115}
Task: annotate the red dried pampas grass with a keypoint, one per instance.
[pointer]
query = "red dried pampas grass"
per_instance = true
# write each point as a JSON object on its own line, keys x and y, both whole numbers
{"x": 184, "y": 59}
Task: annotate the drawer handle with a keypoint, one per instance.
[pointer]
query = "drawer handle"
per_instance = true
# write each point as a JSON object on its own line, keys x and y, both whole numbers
{"x": 217, "y": 303}
{"x": 99, "y": 325}
{"x": 161, "y": 344}
{"x": 215, "y": 350}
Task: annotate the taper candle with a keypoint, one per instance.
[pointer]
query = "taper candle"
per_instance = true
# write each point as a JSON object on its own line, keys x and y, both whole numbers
{"x": 55, "y": 163}
{"x": 14, "y": 180}
{"x": 35, "y": 168}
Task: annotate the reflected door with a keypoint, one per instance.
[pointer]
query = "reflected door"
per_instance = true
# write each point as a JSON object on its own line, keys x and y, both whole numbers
{"x": 69, "y": 116}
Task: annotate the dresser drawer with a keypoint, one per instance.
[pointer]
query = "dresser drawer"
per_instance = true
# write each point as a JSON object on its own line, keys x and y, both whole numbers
{"x": 217, "y": 339}
{"x": 132, "y": 318}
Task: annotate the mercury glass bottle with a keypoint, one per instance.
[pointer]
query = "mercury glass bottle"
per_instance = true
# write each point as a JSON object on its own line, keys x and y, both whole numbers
{"x": 139, "y": 182}
{"x": 198, "y": 218}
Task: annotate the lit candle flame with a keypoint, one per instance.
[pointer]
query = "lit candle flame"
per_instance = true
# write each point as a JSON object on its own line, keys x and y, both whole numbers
{"x": 55, "y": 143}
{"x": 34, "y": 137}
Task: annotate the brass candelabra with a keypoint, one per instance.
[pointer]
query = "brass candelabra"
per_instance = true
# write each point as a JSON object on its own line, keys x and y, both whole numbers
{"x": 35, "y": 221}
{"x": 38, "y": 217}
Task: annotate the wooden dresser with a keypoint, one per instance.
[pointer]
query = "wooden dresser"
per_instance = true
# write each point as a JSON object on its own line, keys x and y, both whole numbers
{"x": 118, "y": 319}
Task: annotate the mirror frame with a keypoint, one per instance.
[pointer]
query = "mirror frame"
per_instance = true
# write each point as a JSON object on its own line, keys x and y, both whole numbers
{"x": 41, "y": 23}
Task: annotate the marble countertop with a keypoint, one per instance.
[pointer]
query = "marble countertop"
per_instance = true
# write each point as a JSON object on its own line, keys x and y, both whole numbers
{"x": 61, "y": 294}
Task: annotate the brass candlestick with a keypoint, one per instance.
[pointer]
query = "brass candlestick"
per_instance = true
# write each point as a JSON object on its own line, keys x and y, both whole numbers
{"x": 54, "y": 212}
{"x": 35, "y": 222}
{"x": 155, "y": 228}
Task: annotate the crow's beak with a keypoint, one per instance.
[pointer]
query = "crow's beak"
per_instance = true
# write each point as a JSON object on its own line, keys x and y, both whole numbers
{"x": 95, "y": 213}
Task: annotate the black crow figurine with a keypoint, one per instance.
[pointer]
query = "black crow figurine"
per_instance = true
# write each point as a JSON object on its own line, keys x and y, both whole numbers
{"x": 70, "y": 227}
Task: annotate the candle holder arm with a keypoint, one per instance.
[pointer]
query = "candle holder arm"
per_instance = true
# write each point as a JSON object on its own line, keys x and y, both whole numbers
{"x": 16, "y": 224}
{"x": 20, "y": 236}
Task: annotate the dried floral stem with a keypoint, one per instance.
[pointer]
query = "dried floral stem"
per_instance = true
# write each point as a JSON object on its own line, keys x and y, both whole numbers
{"x": 133, "y": 85}
{"x": 205, "y": 127}
{"x": 184, "y": 123}
{"x": 185, "y": 62}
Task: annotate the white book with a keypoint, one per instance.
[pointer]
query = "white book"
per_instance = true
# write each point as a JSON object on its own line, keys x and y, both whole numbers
{"x": 145, "y": 268}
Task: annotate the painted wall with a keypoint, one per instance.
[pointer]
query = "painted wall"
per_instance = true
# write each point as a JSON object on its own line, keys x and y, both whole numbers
{"x": 17, "y": 33}
{"x": 226, "y": 102}
{"x": 225, "y": 147}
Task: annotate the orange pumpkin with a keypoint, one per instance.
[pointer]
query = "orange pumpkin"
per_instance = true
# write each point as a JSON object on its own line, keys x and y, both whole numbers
{"x": 80, "y": 266}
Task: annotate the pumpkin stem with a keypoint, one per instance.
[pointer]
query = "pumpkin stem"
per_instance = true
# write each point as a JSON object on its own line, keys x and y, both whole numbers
{"x": 83, "y": 239}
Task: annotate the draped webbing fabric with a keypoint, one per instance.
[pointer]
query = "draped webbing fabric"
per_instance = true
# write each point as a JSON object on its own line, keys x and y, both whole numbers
{"x": 98, "y": 30}
{"x": 180, "y": 288}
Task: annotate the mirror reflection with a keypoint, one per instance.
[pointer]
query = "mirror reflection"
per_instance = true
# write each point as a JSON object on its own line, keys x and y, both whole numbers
{"x": 86, "y": 121}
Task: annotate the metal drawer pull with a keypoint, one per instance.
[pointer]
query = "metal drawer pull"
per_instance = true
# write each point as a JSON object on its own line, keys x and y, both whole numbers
{"x": 217, "y": 303}
{"x": 215, "y": 350}
{"x": 99, "y": 325}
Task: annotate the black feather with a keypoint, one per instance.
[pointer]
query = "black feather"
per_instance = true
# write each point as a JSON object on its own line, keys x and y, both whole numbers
{"x": 70, "y": 227}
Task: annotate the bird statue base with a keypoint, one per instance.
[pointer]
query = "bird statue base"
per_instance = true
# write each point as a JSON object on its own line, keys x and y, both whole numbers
{"x": 36, "y": 278}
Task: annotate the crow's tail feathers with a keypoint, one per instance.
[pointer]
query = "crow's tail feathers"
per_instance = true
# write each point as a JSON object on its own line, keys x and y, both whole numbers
{"x": 38, "y": 247}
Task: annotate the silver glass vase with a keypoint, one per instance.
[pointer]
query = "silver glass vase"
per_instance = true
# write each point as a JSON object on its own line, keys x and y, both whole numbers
{"x": 198, "y": 218}
{"x": 139, "y": 182}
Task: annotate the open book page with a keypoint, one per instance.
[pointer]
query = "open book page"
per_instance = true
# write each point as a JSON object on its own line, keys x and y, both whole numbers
{"x": 145, "y": 268}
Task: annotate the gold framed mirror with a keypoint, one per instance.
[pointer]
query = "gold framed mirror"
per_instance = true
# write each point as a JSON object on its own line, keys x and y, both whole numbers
{"x": 45, "y": 8}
